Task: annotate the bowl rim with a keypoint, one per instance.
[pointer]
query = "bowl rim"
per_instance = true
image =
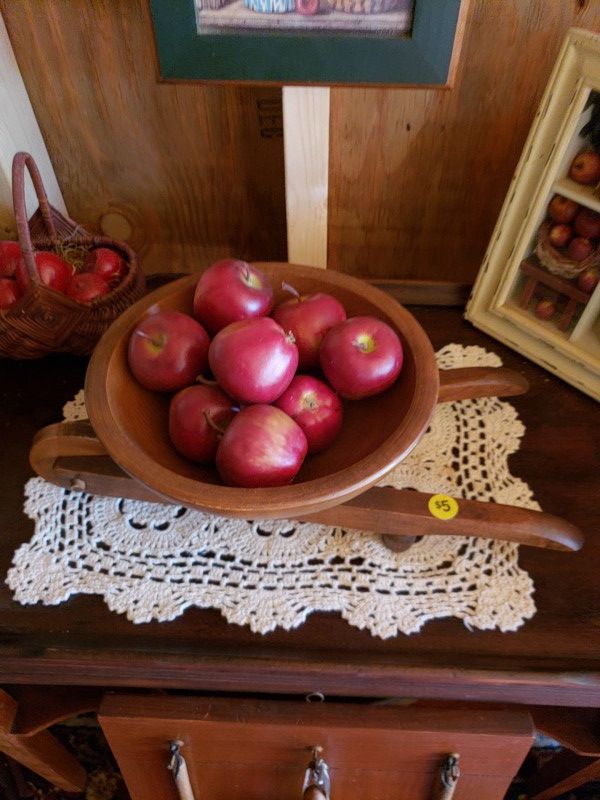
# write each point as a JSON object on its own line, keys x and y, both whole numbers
{"x": 292, "y": 500}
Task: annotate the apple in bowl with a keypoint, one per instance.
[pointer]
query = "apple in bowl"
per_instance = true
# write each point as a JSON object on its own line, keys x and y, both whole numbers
{"x": 361, "y": 357}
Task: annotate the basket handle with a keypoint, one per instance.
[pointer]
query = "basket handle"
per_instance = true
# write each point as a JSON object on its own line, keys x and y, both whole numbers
{"x": 20, "y": 161}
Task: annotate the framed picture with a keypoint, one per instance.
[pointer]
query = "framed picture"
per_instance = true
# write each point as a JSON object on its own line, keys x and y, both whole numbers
{"x": 358, "y": 42}
{"x": 537, "y": 290}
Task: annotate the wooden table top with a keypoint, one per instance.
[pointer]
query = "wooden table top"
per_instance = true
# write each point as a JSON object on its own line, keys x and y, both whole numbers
{"x": 554, "y": 658}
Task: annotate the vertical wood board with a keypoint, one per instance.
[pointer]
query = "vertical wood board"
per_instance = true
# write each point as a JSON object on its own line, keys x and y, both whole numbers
{"x": 19, "y": 130}
{"x": 306, "y": 147}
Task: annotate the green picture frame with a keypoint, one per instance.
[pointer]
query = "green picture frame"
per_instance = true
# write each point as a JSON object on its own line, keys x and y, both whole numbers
{"x": 425, "y": 57}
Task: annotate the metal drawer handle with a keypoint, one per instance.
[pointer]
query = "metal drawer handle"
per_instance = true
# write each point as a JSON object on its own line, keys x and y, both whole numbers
{"x": 179, "y": 769}
{"x": 316, "y": 778}
{"x": 447, "y": 779}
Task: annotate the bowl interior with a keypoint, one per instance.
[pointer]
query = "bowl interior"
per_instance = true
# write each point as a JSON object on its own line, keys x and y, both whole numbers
{"x": 132, "y": 421}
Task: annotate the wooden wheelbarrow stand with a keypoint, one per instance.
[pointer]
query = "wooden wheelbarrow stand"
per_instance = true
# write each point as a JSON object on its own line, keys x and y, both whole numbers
{"x": 70, "y": 455}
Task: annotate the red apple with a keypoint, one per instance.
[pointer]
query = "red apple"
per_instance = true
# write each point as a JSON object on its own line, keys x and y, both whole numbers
{"x": 545, "y": 309}
{"x": 561, "y": 209}
{"x": 560, "y": 235}
{"x": 587, "y": 223}
{"x": 580, "y": 248}
{"x": 261, "y": 446}
{"x": 308, "y": 318}
{"x": 54, "y": 271}
{"x": 105, "y": 262}
{"x": 195, "y": 415}
{"x": 9, "y": 293}
{"x": 87, "y": 286}
{"x": 10, "y": 254}
{"x": 229, "y": 291}
{"x": 588, "y": 280}
{"x": 361, "y": 357}
{"x": 167, "y": 351}
{"x": 316, "y": 408}
{"x": 253, "y": 360}
{"x": 585, "y": 167}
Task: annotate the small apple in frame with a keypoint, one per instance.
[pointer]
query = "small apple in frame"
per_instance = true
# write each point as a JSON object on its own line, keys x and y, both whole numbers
{"x": 580, "y": 248}
{"x": 587, "y": 223}
{"x": 561, "y": 209}
{"x": 560, "y": 235}
{"x": 585, "y": 168}
{"x": 545, "y": 309}
{"x": 588, "y": 280}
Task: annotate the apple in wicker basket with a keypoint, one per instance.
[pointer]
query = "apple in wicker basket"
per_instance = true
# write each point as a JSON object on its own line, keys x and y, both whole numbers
{"x": 106, "y": 263}
{"x": 167, "y": 351}
{"x": 86, "y": 286}
{"x": 9, "y": 293}
{"x": 10, "y": 255}
{"x": 52, "y": 269}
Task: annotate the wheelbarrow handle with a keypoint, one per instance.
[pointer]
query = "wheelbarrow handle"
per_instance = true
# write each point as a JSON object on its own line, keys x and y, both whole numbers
{"x": 69, "y": 455}
{"x": 464, "y": 383}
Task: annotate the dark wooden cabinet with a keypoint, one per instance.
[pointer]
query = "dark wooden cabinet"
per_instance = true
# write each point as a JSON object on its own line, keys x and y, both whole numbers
{"x": 254, "y": 750}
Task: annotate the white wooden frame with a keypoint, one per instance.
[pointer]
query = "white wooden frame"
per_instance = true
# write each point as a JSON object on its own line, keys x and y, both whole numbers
{"x": 549, "y": 149}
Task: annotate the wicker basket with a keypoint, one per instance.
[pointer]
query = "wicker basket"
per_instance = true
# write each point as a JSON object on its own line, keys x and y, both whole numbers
{"x": 46, "y": 321}
{"x": 557, "y": 263}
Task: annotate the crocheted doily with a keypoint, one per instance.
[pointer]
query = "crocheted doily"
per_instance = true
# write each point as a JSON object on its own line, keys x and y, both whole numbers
{"x": 152, "y": 561}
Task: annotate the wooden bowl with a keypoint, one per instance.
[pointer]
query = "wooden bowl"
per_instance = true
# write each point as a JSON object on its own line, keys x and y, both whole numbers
{"x": 377, "y": 434}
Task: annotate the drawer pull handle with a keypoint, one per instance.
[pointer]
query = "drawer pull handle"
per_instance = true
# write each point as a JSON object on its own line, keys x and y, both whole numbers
{"x": 448, "y": 778}
{"x": 179, "y": 769}
{"x": 316, "y": 778}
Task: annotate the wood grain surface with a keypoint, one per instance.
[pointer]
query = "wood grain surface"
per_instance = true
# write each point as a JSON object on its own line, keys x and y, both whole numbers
{"x": 554, "y": 659}
{"x": 242, "y": 749}
{"x": 418, "y": 176}
{"x": 187, "y": 173}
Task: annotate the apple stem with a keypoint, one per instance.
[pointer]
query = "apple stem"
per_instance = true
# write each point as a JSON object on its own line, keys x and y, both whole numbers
{"x": 212, "y": 424}
{"x": 290, "y": 337}
{"x": 287, "y": 287}
{"x": 205, "y": 381}
{"x": 155, "y": 342}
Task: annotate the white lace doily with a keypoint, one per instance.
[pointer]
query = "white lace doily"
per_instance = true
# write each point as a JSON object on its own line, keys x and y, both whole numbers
{"x": 152, "y": 561}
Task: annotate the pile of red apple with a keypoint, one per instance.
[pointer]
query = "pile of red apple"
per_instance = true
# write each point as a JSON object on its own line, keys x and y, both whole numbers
{"x": 575, "y": 232}
{"x": 103, "y": 269}
{"x": 277, "y": 382}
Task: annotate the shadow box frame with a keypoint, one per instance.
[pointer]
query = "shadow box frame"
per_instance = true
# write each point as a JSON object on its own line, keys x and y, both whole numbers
{"x": 497, "y": 299}
{"x": 428, "y": 56}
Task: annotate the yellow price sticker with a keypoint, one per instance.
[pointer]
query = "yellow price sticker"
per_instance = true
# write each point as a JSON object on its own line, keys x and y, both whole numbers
{"x": 442, "y": 506}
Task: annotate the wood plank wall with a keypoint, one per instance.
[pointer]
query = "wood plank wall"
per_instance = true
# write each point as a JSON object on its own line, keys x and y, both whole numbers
{"x": 190, "y": 173}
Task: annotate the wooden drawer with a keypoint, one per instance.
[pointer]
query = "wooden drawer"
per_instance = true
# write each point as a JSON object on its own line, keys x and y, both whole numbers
{"x": 252, "y": 750}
